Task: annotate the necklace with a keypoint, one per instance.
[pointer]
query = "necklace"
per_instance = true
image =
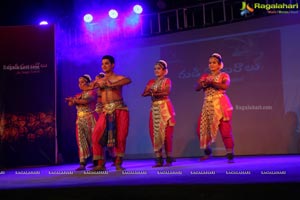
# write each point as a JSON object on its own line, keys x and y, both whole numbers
{"x": 157, "y": 83}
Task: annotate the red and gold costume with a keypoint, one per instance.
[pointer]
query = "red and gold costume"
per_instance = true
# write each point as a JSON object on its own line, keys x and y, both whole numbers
{"x": 111, "y": 129}
{"x": 162, "y": 117}
{"x": 216, "y": 114}
{"x": 85, "y": 124}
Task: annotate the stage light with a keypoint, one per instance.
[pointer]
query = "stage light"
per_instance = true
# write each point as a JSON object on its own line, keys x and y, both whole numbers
{"x": 113, "y": 13}
{"x": 43, "y": 23}
{"x": 137, "y": 9}
{"x": 88, "y": 18}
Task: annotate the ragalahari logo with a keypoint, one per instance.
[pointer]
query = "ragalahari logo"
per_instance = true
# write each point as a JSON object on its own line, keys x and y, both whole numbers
{"x": 246, "y": 9}
{"x": 270, "y": 8}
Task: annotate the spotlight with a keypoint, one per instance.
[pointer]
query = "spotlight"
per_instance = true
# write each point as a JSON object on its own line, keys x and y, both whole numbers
{"x": 43, "y": 23}
{"x": 137, "y": 9}
{"x": 88, "y": 18}
{"x": 113, "y": 13}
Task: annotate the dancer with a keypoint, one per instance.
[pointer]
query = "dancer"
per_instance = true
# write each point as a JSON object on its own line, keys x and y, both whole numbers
{"x": 216, "y": 114}
{"x": 111, "y": 129}
{"x": 162, "y": 114}
{"x": 85, "y": 120}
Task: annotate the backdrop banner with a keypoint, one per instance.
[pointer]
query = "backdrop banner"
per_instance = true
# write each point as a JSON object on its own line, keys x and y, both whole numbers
{"x": 27, "y": 96}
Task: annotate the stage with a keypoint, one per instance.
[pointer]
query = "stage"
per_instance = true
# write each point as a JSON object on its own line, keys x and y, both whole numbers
{"x": 246, "y": 178}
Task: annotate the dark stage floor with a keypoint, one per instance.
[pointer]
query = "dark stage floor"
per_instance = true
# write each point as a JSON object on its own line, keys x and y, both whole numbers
{"x": 249, "y": 177}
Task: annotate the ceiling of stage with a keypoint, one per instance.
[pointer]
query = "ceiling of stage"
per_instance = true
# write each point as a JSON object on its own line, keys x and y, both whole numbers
{"x": 27, "y": 12}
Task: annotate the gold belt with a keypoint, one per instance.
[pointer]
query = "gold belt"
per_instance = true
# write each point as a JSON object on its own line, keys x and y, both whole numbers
{"x": 109, "y": 108}
{"x": 211, "y": 97}
{"x": 83, "y": 114}
{"x": 160, "y": 102}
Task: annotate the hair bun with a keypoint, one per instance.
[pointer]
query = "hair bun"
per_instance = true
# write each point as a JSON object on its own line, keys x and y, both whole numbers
{"x": 164, "y": 63}
{"x": 217, "y": 55}
{"x": 88, "y": 77}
